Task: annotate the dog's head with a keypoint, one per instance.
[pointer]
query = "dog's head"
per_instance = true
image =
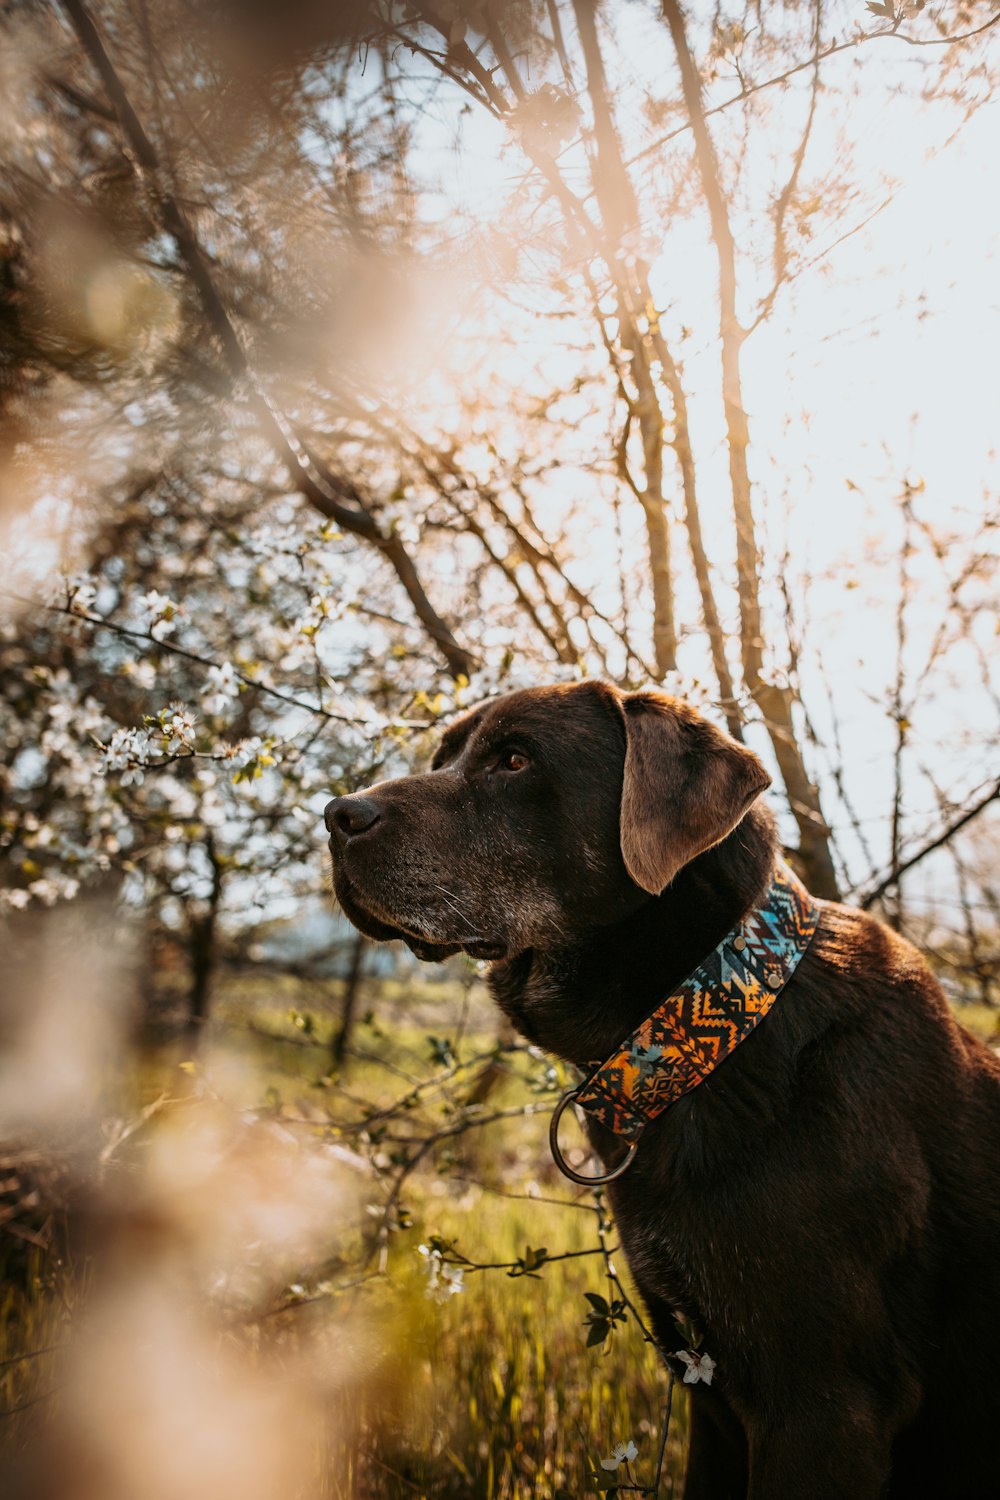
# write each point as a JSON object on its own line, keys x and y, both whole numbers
{"x": 545, "y": 813}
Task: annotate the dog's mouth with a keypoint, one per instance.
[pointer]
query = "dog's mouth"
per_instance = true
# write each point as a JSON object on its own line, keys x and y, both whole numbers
{"x": 382, "y": 926}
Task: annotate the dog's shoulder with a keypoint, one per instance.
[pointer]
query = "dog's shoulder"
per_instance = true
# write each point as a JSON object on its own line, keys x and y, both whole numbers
{"x": 850, "y": 941}
{"x": 866, "y": 976}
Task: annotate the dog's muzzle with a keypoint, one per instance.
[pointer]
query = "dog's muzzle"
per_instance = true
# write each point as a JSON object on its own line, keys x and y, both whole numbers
{"x": 347, "y": 818}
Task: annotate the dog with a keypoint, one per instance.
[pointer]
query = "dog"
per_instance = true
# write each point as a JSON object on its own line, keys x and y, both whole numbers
{"x": 825, "y": 1206}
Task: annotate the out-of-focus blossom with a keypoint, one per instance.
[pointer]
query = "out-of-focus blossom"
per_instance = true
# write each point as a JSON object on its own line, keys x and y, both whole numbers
{"x": 222, "y": 685}
{"x": 82, "y": 595}
{"x": 142, "y": 673}
{"x": 443, "y": 1280}
{"x": 162, "y": 614}
{"x": 621, "y": 1453}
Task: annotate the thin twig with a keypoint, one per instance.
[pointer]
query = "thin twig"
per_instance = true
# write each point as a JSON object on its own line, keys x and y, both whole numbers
{"x": 942, "y": 838}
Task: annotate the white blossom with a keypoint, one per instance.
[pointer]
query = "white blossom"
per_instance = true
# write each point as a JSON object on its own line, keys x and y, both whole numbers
{"x": 125, "y": 747}
{"x": 162, "y": 612}
{"x": 178, "y": 727}
{"x": 155, "y": 603}
{"x": 242, "y": 754}
{"x": 222, "y": 686}
{"x": 46, "y": 891}
{"x": 142, "y": 673}
{"x": 621, "y": 1453}
{"x": 178, "y": 798}
{"x": 443, "y": 1280}
{"x": 83, "y": 595}
{"x": 61, "y": 714}
{"x": 699, "y": 1366}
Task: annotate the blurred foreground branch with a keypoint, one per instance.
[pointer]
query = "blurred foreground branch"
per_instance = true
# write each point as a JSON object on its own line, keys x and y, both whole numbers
{"x": 326, "y": 491}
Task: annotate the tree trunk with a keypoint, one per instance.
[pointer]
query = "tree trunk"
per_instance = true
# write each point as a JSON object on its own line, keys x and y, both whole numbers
{"x": 774, "y": 701}
{"x": 681, "y": 445}
{"x": 619, "y": 213}
{"x": 202, "y": 947}
{"x": 349, "y": 1004}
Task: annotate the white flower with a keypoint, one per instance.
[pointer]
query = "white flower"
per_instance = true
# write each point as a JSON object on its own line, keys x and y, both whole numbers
{"x": 222, "y": 685}
{"x": 213, "y": 812}
{"x": 621, "y": 1453}
{"x": 61, "y": 714}
{"x": 178, "y": 727}
{"x": 16, "y": 899}
{"x": 126, "y": 750}
{"x": 46, "y": 891}
{"x": 162, "y": 612}
{"x": 180, "y": 799}
{"x": 247, "y": 750}
{"x": 453, "y": 1282}
{"x": 699, "y": 1366}
{"x": 155, "y": 603}
{"x": 83, "y": 595}
{"x": 443, "y": 1280}
{"x": 142, "y": 673}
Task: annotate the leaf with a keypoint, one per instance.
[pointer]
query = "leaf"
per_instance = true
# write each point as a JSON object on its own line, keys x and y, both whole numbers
{"x": 441, "y": 1050}
{"x": 529, "y": 1262}
{"x": 689, "y": 1335}
{"x": 445, "y": 1247}
{"x": 597, "y": 1303}
{"x": 599, "y": 1331}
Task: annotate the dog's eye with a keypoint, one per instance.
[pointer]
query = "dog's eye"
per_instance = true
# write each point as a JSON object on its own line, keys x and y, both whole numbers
{"x": 513, "y": 760}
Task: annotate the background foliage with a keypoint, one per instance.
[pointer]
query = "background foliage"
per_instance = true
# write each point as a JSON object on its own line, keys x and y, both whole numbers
{"x": 358, "y": 361}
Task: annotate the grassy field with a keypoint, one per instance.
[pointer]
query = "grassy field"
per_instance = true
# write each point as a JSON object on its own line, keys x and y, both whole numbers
{"x": 490, "y": 1391}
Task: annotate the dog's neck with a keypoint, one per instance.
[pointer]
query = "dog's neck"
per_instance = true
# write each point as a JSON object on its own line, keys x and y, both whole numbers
{"x": 581, "y": 997}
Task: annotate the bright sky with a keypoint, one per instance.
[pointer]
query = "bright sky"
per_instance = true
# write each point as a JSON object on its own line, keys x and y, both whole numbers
{"x": 878, "y": 365}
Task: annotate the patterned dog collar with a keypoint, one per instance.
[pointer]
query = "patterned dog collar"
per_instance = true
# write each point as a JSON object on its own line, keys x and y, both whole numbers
{"x": 701, "y": 1022}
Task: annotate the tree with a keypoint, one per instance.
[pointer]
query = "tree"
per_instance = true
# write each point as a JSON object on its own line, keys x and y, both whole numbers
{"x": 235, "y": 331}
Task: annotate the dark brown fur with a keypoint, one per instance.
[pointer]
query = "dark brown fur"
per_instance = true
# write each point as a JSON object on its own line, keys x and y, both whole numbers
{"x": 826, "y": 1207}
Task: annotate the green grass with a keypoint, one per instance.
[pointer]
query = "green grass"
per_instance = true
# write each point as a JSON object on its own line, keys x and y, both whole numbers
{"x": 495, "y": 1393}
{"x": 492, "y": 1393}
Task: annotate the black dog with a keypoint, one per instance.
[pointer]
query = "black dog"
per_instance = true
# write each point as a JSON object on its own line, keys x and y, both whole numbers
{"x": 826, "y": 1205}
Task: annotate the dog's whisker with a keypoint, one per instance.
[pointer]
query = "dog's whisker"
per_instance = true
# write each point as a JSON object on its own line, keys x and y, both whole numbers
{"x": 452, "y": 901}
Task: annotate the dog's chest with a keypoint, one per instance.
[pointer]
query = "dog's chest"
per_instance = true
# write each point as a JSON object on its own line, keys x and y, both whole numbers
{"x": 688, "y": 1261}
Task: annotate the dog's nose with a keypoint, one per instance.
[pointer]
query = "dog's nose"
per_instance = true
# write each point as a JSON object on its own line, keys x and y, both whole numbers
{"x": 347, "y": 816}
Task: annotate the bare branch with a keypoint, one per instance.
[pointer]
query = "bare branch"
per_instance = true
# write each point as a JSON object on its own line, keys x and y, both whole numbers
{"x": 326, "y": 491}
{"x": 946, "y": 835}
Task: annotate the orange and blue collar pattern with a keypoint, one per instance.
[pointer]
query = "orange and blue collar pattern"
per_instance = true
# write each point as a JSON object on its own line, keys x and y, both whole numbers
{"x": 705, "y": 1018}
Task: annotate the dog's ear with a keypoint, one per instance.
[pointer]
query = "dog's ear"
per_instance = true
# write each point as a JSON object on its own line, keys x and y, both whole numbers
{"x": 686, "y": 786}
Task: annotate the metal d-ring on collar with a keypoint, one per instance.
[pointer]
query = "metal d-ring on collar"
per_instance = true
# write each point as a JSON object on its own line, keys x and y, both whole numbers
{"x": 564, "y": 1165}
{"x": 698, "y": 1024}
